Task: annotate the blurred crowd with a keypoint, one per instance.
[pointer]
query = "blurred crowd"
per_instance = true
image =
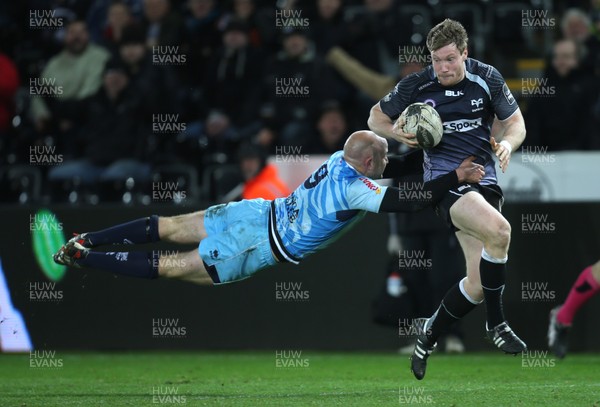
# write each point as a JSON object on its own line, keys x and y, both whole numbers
{"x": 119, "y": 88}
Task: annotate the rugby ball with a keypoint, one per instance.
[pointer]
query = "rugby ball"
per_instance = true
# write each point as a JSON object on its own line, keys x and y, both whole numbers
{"x": 423, "y": 121}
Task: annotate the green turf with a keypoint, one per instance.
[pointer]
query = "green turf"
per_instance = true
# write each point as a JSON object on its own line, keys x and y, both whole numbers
{"x": 322, "y": 379}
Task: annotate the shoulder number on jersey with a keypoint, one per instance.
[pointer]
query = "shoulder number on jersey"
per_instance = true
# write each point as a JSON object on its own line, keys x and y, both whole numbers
{"x": 318, "y": 176}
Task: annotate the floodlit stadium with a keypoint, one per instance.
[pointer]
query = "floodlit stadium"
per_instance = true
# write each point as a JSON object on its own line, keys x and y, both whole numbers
{"x": 294, "y": 203}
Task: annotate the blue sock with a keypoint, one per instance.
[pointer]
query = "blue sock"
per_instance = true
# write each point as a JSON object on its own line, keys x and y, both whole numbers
{"x": 144, "y": 230}
{"x": 132, "y": 264}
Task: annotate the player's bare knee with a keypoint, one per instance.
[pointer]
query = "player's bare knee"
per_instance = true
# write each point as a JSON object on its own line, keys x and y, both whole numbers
{"x": 188, "y": 228}
{"x": 193, "y": 223}
{"x": 498, "y": 236}
{"x": 504, "y": 231}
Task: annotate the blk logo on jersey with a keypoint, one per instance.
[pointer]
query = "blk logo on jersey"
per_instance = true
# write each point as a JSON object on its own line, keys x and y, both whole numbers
{"x": 461, "y": 125}
{"x": 454, "y": 93}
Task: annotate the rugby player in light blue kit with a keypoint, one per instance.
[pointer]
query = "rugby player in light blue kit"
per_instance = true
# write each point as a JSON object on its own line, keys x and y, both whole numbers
{"x": 240, "y": 238}
{"x": 469, "y": 95}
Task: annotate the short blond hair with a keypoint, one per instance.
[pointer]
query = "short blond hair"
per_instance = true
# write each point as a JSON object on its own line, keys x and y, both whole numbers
{"x": 445, "y": 33}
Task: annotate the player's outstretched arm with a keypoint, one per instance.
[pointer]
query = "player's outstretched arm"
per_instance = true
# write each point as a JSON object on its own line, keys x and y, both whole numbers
{"x": 399, "y": 200}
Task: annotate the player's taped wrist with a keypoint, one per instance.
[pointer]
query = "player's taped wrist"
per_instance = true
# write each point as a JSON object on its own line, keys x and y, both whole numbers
{"x": 507, "y": 146}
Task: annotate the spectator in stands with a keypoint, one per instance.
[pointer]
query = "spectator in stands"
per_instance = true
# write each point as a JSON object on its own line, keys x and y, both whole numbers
{"x": 163, "y": 25}
{"x": 370, "y": 83}
{"x": 118, "y": 17}
{"x": 261, "y": 30}
{"x": 112, "y": 136}
{"x": 219, "y": 137}
{"x": 260, "y": 179}
{"x": 232, "y": 85}
{"x": 71, "y": 76}
{"x": 203, "y": 35}
{"x": 296, "y": 80}
{"x": 562, "y": 120}
{"x": 576, "y": 25}
{"x": 51, "y": 41}
{"x": 374, "y": 37}
{"x": 98, "y": 20}
{"x": 332, "y": 128}
{"x": 328, "y": 28}
{"x": 157, "y": 84}
{"x": 233, "y": 80}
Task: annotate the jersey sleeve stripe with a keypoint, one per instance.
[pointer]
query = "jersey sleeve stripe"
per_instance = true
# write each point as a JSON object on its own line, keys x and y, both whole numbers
{"x": 478, "y": 80}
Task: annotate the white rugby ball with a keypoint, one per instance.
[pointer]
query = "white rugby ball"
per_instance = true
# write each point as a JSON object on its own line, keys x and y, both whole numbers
{"x": 423, "y": 121}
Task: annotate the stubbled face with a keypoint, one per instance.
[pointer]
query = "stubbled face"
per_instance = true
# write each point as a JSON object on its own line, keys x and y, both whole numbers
{"x": 380, "y": 160}
{"x": 77, "y": 38}
{"x": 448, "y": 64}
{"x": 564, "y": 57}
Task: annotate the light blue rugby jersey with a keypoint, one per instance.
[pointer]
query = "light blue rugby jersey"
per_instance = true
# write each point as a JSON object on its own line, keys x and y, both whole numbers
{"x": 334, "y": 197}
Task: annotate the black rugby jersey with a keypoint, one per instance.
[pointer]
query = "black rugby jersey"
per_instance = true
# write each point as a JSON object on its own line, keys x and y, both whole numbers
{"x": 467, "y": 110}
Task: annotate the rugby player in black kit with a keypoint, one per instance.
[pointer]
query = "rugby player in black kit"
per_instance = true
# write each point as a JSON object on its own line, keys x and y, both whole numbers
{"x": 469, "y": 95}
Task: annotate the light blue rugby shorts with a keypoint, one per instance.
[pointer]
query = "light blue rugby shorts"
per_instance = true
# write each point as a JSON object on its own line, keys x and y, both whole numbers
{"x": 237, "y": 245}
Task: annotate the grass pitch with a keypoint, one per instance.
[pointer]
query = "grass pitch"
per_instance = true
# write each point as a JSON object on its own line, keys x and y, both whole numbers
{"x": 293, "y": 379}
